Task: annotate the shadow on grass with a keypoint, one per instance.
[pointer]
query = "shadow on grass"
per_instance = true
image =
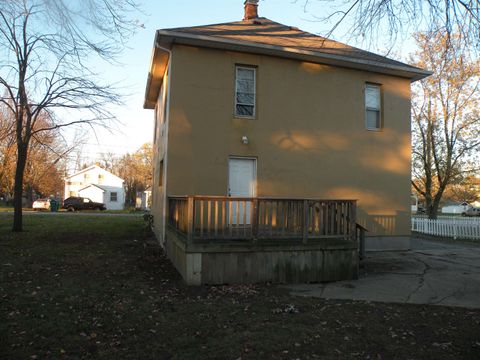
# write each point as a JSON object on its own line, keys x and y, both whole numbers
{"x": 100, "y": 287}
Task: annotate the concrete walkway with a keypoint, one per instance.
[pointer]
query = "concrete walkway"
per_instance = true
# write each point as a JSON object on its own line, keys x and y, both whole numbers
{"x": 431, "y": 273}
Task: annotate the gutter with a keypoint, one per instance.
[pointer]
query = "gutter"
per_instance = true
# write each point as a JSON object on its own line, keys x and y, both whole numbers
{"x": 158, "y": 50}
{"x": 165, "y": 138}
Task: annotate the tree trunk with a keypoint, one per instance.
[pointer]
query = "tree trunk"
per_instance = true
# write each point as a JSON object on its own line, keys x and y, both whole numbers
{"x": 430, "y": 208}
{"x": 432, "y": 211}
{"x": 18, "y": 188}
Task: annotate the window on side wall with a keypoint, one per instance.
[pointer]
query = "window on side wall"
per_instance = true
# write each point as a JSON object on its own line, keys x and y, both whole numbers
{"x": 160, "y": 174}
{"x": 373, "y": 107}
{"x": 113, "y": 197}
{"x": 245, "y": 91}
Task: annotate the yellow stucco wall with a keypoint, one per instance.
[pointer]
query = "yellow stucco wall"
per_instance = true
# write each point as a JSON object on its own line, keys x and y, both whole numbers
{"x": 309, "y": 135}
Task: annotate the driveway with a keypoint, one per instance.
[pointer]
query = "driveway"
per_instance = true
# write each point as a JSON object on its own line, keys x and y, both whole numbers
{"x": 435, "y": 273}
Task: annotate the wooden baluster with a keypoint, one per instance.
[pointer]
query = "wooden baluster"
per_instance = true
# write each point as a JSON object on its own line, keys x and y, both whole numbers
{"x": 245, "y": 222}
{"x": 224, "y": 217}
{"x": 209, "y": 218}
{"x": 270, "y": 219}
{"x": 254, "y": 220}
{"x": 237, "y": 217}
{"x": 290, "y": 218}
{"x": 261, "y": 218}
{"x": 230, "y": 217}
{"x": 305, "y": 222}
{"x": 332, "y": 218}
{"x": 216, "y": 222}
{"x": 191, "y": 219}
{"x": 353, "y": 220}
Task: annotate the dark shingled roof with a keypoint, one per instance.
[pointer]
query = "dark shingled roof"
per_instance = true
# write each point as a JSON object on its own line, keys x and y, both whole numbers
{"x": 264, "y": 31}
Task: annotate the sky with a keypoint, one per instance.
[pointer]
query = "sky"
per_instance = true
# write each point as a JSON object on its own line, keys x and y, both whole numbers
{"x": 135, "y": 125}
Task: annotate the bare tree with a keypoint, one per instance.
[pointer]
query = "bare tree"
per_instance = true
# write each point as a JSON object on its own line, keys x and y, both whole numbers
{"x": 7, "y": 152}
{"x": 109, "y": 161}
{"x": 44, "y": 169}
{"x": 368, "y": 19}
{"x": 464, "y": 190}
{"x": 445, "y": 116}
{"x": 45, "y": 49}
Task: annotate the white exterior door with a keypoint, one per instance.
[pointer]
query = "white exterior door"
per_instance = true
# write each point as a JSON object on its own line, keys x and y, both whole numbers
{"x": 241, "y": 183}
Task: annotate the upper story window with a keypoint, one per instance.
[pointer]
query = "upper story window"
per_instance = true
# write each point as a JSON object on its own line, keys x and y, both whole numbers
{"x": 245, "y": 91}
{"x": 100, "y": 178}
{"x": 86, "y": 177}
{"x": 373, "y": 107}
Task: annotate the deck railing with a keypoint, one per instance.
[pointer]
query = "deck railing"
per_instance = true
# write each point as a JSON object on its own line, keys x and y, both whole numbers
{"x": 234, "y": 218}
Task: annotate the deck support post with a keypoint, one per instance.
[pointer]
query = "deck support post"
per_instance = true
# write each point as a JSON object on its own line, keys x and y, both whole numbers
{"x": 353, "y": 220}
{"x": 362, "y": 243}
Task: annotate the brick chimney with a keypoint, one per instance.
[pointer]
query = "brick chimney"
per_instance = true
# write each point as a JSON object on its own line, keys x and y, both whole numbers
{"x": 251, "y": 9}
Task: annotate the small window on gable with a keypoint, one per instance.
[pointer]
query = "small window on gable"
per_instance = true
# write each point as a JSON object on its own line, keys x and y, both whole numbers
{"x": 160, "y": 174}
{"x": 245, "y": 91}
{"x": 100, "y": 178}
{"x": 373, "y": 107}
{"x": 113, "y": 197}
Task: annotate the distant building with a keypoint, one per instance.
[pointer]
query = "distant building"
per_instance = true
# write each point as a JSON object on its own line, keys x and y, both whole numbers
{"x": 456, "y": 208}
{"x": 97, "y": 184}
{"x": 143, "y": 200}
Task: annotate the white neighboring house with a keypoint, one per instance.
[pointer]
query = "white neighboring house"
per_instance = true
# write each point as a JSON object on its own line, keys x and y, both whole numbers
{"x": 98, "y": 185}
{"x": 456, "y": 208}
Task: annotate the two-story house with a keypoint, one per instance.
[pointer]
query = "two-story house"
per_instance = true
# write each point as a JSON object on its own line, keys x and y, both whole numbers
{"x": 272, "y": 147}
{"x": 98, "y": 185}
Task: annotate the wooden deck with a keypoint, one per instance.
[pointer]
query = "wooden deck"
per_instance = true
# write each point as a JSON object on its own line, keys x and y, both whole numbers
{"x": 213, "y": 218}
{"x": 214, "y": 239}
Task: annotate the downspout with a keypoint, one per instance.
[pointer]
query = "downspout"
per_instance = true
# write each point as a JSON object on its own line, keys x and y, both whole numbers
{"x": 165, "y": 154}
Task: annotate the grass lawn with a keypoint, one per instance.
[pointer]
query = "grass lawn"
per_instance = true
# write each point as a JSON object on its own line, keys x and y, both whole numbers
{"x": 10, "y": 209}
{"x": 99, "y": 288}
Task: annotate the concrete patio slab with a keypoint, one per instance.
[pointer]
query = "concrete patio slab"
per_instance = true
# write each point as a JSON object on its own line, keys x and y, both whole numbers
{"x": 431, "y": 273}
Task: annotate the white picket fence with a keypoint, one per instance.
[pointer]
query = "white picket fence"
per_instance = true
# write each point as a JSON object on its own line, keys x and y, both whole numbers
{"x": 456, "y": 227}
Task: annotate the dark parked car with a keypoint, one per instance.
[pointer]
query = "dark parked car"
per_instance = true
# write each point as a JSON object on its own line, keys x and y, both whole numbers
{"x": 80, "y": 203}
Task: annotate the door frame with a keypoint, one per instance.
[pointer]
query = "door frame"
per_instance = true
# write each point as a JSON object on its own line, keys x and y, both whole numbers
{"x": 255, "y": 161}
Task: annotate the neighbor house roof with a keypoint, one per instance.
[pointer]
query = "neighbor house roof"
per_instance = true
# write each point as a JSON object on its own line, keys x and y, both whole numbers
{"x": 91, "y": 168}
{"x": 92, "y": 185}
{"x": 267, "y": 37}
{"x": 102, "y": 187}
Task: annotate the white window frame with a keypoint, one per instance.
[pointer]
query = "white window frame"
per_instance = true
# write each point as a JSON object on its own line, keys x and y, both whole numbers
{"x": 379, "y": 110}
{"x": 254, "y": 69}
{"x": 116, "y": 196}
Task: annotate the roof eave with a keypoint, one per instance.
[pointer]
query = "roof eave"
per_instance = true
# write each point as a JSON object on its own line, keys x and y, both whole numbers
{"x": 158, "y": 65}
{"x": 167, "y": 38}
